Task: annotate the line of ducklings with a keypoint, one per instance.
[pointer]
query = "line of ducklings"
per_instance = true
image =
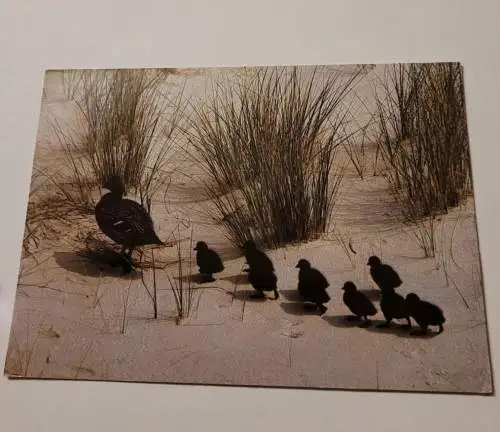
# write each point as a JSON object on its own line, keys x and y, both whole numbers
{"x": 312, "y": 285}
{"x": 127, "y": 223}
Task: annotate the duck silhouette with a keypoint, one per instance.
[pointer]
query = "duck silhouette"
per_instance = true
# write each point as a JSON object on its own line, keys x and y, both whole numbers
{"x": 394, "y": 306}
{"x": 358, "y": 303}
{"x": 312, "y": 285}
{"x": 124, "y": 221}
{"x": 260, "y": 271}
{"x": 208, "y": 261}
{"x": 425, "y": 314}
{"x": 256, "y": 258}
{"x": 383, "y": 275}
{"x": 263, "y": 281}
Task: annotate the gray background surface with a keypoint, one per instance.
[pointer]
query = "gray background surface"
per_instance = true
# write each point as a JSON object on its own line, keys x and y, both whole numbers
{"x": 56, "y": 34}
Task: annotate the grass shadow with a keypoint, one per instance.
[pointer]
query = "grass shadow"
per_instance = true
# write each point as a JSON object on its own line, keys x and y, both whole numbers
{"x": 377, "y": 208}
{"x": 187, "y": 193}
{"x": 94, "y": 264}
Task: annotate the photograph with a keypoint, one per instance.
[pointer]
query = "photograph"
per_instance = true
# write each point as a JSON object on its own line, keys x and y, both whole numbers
{"x": 297, "y": 226}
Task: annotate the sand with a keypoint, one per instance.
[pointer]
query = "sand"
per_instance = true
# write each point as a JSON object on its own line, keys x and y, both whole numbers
{"x": 74, "y": 321}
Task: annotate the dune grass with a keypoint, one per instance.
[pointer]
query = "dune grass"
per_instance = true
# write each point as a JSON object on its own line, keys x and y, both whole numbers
{"x": 181, "y": 284}
{"x": 424, "y": 142}
{"x": 269, "y": 145}
{"x": 126, "y": 124}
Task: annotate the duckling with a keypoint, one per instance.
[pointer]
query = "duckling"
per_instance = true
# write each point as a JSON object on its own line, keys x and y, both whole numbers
{"x": 425, "y": 314}
{"x": 208, "y": 261}
{"x": 383, "y": 274}
{"x": 256, "y": 258}
{"x": 312, "y": 285}
{"x": 124, "y": 221}
{"x": 394, "y": 306}
{"x": 260, "y": 270}
{"x": 263, "y": 281}
{"x": 358, "y": 303}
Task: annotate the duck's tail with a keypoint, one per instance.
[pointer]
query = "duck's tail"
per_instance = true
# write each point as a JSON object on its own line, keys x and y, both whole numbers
{"x": 155, "y": 240}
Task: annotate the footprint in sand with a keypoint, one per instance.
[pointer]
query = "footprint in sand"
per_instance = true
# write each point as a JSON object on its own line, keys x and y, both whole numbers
{"x": 292, "y": 329}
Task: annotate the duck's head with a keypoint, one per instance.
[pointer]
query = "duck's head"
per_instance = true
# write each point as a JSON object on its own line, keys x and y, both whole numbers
{"x": 201, "y": 245}
{"x": 249, "y": 245}
{"x": 349, "y": 287}
{"x": 373, "y": 261}
{"x": 412, "y": 298}
{"x": 114, "y": 184}
{"x": 303, "y": 264}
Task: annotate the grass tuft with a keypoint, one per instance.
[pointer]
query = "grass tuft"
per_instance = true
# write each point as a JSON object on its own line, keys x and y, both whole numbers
{"x": 126, "y": 124}
{"x": 269, "y": 146}
{"x": 424, "y": 142}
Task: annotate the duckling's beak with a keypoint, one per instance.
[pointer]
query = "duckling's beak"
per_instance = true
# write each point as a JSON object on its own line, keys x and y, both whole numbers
{"x": 297, "y": 266}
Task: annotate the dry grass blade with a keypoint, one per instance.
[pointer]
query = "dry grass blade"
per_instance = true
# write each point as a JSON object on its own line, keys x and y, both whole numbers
{"x": 269, "y": 149}
{"x": 126, "y": 123}
{"x": 182, "y": 285}
{"x": 424, "y": 142}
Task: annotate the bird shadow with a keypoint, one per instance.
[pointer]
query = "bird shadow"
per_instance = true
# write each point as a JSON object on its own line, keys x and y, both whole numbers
{"x": 90, "y": 263}
{"x": 291, "y": 295}
{"x": 198, "y": 279}
{"x": 193, "y": 278}
{"x": 395, "y": 328}
{"x": 398, "y": 330}
{"x": 340, "y": 321}
{"x": 299, "y": 308}
{"x": 237, "y": 279}
{"x": 372, "y": 293}
{"x": 246, "y": 295}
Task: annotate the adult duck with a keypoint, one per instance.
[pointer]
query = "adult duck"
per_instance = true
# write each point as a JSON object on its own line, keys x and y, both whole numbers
{"x": 124, "y": 221}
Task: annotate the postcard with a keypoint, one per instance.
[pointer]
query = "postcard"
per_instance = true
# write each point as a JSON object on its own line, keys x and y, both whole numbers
{"x": 275, "y": 226}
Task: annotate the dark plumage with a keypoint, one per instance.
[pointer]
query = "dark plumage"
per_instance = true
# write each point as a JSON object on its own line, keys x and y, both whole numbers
{"x": 124, "y": 221}
{"x": 208, "y": 261}
{"x": 260, "y": 270}
{"x": 263, "y": 280}
{"x": 425, "y": 313}
{"x": 312, "y": 285}
{"x": 394, "y": 306}
{"x": 383, "y": 275}
{"x": 358, "y": 303}
{"x": 257, "y": 259}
